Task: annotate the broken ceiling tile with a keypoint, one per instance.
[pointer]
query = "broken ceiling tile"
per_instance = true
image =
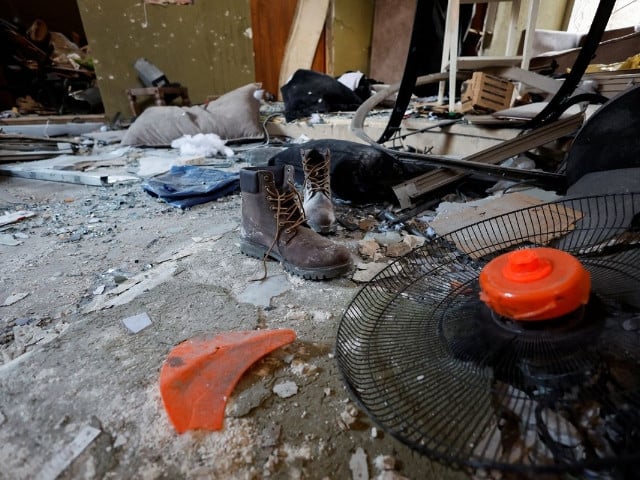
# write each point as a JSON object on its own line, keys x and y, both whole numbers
{"x": 366, "y": 271}
{"x": 9, "y": 240}
{"x": 390, "y": 475}
{"x": 367, "y": 224}
{"x": 14, "y": 298}
{"x": 247, "y": 400}
{"x": 368, "y": 248}
{"x": 398, "y": 249}
{"x": 285, "y": 389}
{"x": 261, "y": 292}
{"x": 384, "y": 238}
{"x": 302, "y": 368}
{"x": 358, "y": 465}
{"x": 137, "y": 323}
{"x": 65, "y": 456}
{"x": 348, "y": 417}
{"x": 270, "y": 436}
{"x": 14, "y": 217}
{"x": 413, "y": 241}
{"x": 384, "y": 462}
{"x": 99, "y": 290}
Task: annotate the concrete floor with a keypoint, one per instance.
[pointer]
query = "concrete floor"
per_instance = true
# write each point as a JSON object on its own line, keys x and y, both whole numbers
{"x": 79, "y": 392}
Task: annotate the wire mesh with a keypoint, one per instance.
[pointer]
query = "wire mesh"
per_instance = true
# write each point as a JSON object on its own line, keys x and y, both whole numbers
{"x": 433, "y": 366}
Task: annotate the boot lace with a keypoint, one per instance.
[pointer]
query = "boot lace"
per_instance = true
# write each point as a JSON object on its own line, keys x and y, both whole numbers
{"x": 316, "y": 178}
{"x": 288, "y": 212}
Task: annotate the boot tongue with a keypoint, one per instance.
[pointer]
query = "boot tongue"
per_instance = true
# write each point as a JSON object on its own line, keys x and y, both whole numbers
{"x": 317, "y": 171}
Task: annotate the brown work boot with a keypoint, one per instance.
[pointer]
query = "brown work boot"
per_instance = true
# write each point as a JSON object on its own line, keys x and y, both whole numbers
{"x": 317, "y": 205}
{"x": 273, "y": 225}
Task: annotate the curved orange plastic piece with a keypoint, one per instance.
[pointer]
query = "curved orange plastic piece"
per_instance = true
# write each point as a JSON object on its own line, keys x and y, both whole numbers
{"x": 199, "y": 374}
{"x": 534, "y": 284}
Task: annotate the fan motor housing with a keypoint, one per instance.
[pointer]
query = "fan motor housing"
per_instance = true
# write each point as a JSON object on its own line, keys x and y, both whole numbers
{"x": 533, "y": 284}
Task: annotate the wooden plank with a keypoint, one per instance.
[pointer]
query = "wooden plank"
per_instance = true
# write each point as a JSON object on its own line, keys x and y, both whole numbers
{"x": 270, "y": 25}
{"x": 307, "y": 27}
{"x": 480, "y": 63}
{"x": 64, "y": 176}
{"x": 10, "y": 156}
{"x": 52, "y": 119}
{"x": 611, "y": 83}
{"x": 542, "y": 82}
{"x": 425, "y": 183}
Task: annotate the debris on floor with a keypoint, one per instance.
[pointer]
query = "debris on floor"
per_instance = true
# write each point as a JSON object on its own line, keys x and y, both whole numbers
{"x": 48, "y": 65}
{"x": 285, "y": 389}
{"x": 260, "y": 292}
{"x": 10, "y": 240}
{"x": 137, "y": 323}
{"x": 89, "y": 238}
{"x": 14, "y": 217}
{"x": 62, "y": 459}
{"x": 14, "y": 297}
{"x": 365, "y": 272}
{"x": 247, "y": 400}
{"x": 358, "y": 465}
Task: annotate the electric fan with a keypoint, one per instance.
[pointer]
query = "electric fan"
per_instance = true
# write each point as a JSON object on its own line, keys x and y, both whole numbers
{"x": 511, "y": 344}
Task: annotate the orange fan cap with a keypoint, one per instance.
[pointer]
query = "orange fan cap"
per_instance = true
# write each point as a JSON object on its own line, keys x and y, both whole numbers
{"x": 534, "y": 284}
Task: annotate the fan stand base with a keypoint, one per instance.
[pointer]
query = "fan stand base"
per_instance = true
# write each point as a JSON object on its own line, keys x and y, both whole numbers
{"x": 561, "y": 324}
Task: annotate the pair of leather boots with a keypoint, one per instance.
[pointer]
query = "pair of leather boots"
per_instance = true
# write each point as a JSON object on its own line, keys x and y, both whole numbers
{"x": 278, "y": 223}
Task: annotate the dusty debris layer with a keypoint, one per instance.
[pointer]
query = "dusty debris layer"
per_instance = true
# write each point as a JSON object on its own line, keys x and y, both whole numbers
{"x": 79, "y": 390}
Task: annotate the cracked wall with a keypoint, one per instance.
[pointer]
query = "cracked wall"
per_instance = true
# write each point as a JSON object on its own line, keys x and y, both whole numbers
{"x": 206, "y": 46}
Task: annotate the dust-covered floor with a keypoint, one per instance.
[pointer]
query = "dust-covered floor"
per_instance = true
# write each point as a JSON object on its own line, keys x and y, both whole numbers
{"x": 91, "y": 257}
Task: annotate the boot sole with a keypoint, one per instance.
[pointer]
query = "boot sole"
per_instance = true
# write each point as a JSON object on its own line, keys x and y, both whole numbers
{"x": 318, "y": 273}
{"x": 322, "y": 229}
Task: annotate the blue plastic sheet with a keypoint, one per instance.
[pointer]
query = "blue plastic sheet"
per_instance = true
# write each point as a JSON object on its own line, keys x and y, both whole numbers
{"x": 185, "y": 186}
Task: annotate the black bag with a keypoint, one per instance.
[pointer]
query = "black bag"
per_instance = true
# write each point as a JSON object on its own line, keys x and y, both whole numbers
{"x": 359, "y": 173}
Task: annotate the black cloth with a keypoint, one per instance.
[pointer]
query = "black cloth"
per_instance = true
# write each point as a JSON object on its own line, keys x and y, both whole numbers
{"x": 359, "y": 173}
{"x": 309, "y": 92}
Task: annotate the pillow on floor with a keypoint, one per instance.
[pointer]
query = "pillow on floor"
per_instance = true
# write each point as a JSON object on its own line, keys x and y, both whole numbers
{"x": 233, "y": 116}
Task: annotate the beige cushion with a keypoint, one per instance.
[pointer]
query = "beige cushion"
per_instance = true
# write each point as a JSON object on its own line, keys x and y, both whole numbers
{"x": 233, "y": 116}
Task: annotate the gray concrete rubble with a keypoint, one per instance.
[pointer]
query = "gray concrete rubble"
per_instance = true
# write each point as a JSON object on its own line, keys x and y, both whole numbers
{"x": 99, "y": 283}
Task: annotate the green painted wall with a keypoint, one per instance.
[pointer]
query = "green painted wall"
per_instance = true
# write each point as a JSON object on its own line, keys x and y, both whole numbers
{"x": 206, "y": 46}
{"x": 551, "y": 14}
{"x": 350, "y": 32}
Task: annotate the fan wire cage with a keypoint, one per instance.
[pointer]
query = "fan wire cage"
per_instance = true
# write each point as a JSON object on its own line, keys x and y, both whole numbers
{"x": 433, "y": 366}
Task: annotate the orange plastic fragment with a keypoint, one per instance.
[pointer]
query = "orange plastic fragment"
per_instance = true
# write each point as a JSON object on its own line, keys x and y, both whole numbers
{"x": 199, "y": 374}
